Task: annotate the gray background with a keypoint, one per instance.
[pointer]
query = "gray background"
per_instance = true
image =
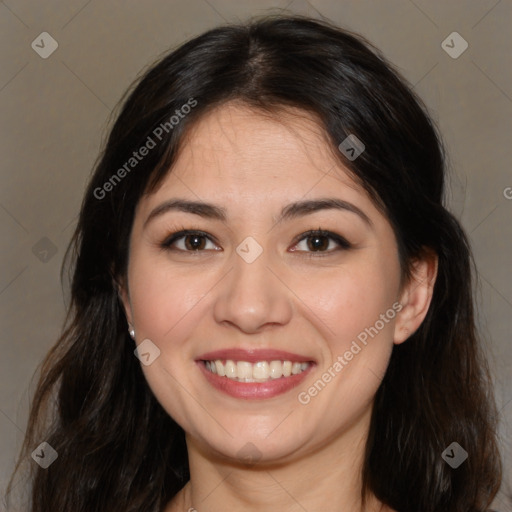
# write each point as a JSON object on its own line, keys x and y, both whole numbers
{"x": 55, "y": 111}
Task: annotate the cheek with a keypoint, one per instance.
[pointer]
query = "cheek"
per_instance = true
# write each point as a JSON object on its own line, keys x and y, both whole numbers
{"x": 352, "y": 299}
{"x": 166, "y": 306}
{"x": 355, "y": 308}
{"x": 163, "y": 301}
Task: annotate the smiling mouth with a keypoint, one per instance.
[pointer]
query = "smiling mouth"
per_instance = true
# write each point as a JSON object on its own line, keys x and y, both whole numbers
{"x": 259, "y": 371}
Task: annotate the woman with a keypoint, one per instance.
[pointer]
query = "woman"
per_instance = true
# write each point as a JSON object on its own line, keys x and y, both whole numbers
{"x": 271, "y": 307}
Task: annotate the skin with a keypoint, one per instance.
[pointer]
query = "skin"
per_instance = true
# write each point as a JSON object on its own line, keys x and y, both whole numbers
{"x": 291, "y": 297}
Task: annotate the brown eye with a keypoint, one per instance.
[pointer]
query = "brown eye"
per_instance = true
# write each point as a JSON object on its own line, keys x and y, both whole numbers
{"x": 321, "y": 241}
{"x": 189, "y": 241}
{"x": 195, "y": 242}
{"x": 318, "y": 243}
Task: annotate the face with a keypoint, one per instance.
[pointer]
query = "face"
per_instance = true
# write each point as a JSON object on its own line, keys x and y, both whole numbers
{"x": 259, "y": 257}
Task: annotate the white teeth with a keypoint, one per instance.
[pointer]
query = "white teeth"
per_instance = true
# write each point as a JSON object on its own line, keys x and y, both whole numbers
{"x": 296, "y": 368}
{"x": 244, "y": 370}
{"x": 230, "y": 370}
{"x": 260, "y": 371}
{"x": 276, "y": 369}
{"x": 220, "y": 369}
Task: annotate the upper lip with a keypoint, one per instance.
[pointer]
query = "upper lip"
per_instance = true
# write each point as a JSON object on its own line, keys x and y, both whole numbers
{"x": 253, "y": 355}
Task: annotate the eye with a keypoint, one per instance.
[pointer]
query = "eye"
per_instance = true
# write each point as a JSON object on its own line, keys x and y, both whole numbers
{"x": 189, "y": 241}
{"x": 320, "y": 240}
{"x": 313, "y": 241}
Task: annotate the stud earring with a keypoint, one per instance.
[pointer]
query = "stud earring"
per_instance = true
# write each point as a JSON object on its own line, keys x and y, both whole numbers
{"x": 131, "y": 330}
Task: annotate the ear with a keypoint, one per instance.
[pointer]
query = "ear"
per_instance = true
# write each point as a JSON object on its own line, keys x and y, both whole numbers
{"x": 416, "y": 295}
{"x": 122, "y": 290}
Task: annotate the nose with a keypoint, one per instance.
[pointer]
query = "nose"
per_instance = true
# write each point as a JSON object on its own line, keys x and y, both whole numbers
{"x": 252, "y": 297}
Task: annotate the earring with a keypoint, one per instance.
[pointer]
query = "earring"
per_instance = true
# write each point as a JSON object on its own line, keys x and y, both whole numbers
{"x": 131, "y": 331}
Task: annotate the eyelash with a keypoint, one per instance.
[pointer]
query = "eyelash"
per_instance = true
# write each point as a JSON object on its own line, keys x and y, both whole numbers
{"x": 343, "y": 244}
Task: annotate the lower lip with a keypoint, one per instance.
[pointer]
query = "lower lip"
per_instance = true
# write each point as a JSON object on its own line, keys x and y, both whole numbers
{"x": 253, "y": 390}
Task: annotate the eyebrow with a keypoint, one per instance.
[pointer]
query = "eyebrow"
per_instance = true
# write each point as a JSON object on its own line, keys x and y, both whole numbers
{"x": 290, "y": 211}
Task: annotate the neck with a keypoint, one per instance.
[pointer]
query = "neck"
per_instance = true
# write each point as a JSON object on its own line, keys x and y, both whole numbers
{"x": 327, "y": 478}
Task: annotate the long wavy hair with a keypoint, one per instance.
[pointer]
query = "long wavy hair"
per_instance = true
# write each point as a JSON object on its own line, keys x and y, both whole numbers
{"x": 118, "y": 450}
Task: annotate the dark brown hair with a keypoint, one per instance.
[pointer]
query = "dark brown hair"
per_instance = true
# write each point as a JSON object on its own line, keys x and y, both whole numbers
{"x": 118, "y": 449}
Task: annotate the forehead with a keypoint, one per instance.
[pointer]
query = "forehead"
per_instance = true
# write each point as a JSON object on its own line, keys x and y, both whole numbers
{"x": 243, "y": 157}
{"x": 235, "y": 131}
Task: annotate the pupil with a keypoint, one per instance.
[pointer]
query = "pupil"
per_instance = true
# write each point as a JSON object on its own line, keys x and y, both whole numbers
{"x": 318, "y": 242}
{"x": 195, "y": 242}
